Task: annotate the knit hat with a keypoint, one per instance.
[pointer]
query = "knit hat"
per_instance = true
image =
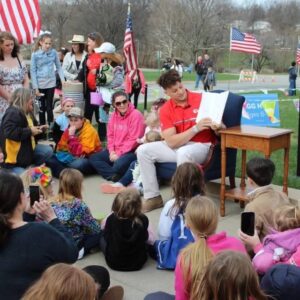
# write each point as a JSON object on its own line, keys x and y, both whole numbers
{"x": 67, "y": 100}
{"x": 282, "y": 282}
{"x": 42, "y": 174}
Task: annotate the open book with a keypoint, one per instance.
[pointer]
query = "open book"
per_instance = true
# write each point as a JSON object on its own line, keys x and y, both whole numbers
{"x": 212, "y": 106}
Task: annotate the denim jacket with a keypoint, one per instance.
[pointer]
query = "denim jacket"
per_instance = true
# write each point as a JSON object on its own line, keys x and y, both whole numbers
{"x": 42, "y": 69}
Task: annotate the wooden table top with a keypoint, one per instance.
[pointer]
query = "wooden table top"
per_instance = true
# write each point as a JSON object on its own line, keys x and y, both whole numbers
{"x": 255, "y": 131}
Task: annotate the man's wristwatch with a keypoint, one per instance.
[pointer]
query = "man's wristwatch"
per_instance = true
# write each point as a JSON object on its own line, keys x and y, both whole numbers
{"x": 195, "y": 129}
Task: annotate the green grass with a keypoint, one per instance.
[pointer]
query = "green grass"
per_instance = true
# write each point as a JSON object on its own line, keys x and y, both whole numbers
{"x": 289, "y": 119}
{"x": 154, "y": 74}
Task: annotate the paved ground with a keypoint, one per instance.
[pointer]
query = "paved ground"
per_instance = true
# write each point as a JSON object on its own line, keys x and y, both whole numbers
{"x": 149, "y": 279}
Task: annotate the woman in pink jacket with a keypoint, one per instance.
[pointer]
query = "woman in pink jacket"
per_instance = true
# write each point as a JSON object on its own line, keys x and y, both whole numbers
{"x": 125, "y": 126}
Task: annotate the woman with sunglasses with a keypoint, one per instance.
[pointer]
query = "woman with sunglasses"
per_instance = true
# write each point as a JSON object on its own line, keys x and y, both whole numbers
{"x": 125, "y": 126}
{"x": 88, "y": 73}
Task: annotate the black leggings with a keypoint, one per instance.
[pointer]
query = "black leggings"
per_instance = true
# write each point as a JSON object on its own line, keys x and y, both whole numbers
{"x": 135, "y": 93}
{"x": 46, "y": 105}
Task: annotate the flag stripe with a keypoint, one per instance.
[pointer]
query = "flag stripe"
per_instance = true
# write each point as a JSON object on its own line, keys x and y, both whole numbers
{"x": 244, "y": 42}
{"x": 298, "y": 55}
{"x": 21, "y": 18}
{"x": 129, "y": 49}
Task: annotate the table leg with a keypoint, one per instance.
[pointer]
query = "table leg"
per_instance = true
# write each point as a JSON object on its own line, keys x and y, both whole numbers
{"x": 243, "y": 177}
{"x": 286, "y": 170}
{"x": 223, "y": 175}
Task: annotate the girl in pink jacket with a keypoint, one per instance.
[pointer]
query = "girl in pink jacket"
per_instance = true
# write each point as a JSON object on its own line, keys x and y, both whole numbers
{"x": 281, "y": 244}
{"x": 201, "y": 217}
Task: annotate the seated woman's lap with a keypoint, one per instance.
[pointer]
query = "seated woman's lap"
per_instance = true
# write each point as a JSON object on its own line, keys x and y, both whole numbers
{"x": 80, "y": 164}
{"x": 41, "y": 153}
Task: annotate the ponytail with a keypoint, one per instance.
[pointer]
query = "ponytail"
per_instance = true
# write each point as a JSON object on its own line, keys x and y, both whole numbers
{"x": 193, "y": 260}
{"x": 4, "y": 229}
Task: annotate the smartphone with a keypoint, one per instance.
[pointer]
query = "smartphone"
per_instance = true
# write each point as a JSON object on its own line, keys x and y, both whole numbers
{"x": 248, "y": 222}
{"x": 34, "y": 192}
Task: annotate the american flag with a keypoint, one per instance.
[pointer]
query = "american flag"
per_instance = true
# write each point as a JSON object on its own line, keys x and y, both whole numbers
{"x": 21, "y": 18}
{"x": 129, "y": 49}
{"x": 244, "y": 42}
{"x": 298, "y": 54}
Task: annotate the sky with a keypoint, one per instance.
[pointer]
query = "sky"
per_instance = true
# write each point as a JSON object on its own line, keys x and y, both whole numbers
{"x": 260, "y": 2}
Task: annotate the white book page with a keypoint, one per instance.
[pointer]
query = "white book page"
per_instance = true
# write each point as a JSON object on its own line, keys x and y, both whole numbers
{"x": 212, "y": 106}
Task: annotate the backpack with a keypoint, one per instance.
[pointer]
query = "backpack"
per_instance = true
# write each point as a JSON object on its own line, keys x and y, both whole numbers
{"x": 168, "y": 250}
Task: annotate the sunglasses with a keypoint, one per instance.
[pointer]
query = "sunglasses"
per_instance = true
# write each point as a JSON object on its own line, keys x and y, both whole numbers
{"x": 119, "y": 103}
{"x": 92, "y": 35}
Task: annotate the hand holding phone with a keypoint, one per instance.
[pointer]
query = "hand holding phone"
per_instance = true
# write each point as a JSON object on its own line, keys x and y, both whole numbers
{"x": 248, "y": 223}
{"x": 34, "y": 192}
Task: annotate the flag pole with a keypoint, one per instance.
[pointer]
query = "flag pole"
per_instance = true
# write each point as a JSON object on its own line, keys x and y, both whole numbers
{"x": 252, "y": 64}
{"x": 229, "y": 58}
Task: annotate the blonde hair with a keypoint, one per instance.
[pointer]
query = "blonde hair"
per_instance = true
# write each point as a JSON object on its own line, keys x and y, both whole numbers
{"x": 152, "y": 119}
{"x": 152, "y": 136}
{"x": 128, "y": 205}
{"x": 41, "y": 38}
{"x": 70, "y": 185}
{"x": 287, "y": 217}
{"x": 201, "y": 216}
{"x": 229, "y": 275}
{"x": 62, "y": 282}
{"x": 20, "y": 98}
{"x": 27, "y": 180}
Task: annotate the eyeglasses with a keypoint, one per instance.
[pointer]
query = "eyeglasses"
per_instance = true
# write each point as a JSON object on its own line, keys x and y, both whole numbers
{"x": 119, "y": 103}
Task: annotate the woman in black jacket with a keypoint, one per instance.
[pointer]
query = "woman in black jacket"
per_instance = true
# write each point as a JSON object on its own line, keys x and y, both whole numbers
{"x": 18, "y": 134}
{"x": 28, "y": 248}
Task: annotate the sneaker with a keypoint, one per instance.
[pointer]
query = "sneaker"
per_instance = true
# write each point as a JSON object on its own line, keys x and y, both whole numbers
{"x": 113, "y": 293}
{"x": 152, "y": 203}
{"x": 80, "y": 254}
{"x": 115, "y": 188}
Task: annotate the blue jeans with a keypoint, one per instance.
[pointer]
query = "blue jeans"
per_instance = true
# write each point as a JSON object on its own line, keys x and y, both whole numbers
{"x": 80, "y": 164}
{"x": 41, "y": 153}
{"x": 198, "y": 79}
{"x": 103, "y": 166}
{"x": 292, "y": 87}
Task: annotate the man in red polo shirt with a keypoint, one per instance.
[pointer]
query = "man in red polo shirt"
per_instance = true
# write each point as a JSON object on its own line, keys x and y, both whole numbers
{"x": 184, "y": 139}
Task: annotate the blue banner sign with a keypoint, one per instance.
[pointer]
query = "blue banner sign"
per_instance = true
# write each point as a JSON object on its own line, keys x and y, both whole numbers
{"x": 261, "y": 110}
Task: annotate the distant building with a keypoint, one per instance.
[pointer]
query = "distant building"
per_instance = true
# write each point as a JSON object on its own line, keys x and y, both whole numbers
{"x": 261, "y": 26}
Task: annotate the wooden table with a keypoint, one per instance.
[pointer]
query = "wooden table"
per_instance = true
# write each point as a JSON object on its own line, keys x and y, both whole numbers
{"x": 255, "y": 138}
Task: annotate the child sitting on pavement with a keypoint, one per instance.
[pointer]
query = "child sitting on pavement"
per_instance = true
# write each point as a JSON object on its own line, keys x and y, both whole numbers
{"x": 62, "y": 121}
{"x": 188, "y": 181}
{"x": 281, "y": 245}
{"x": 202, "y": 218}
{"x": 68, "y": 205}
{"x": 125, "y": 234}
{"x": 263, "y": 199}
